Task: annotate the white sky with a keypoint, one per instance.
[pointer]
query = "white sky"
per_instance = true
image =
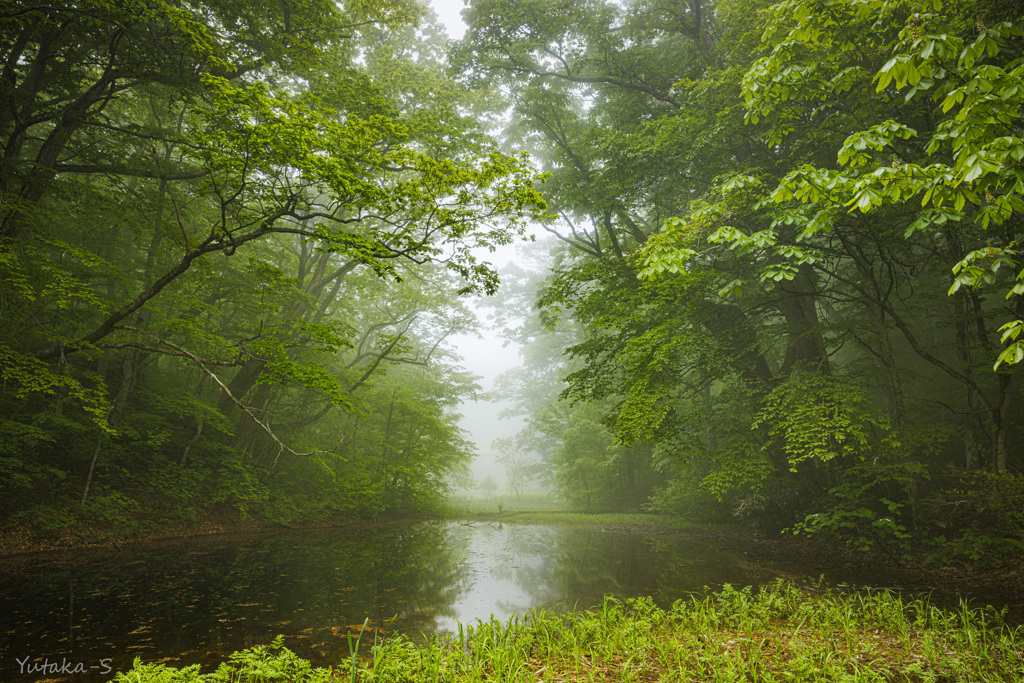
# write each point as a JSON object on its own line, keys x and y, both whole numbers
{"x": 448, "y": 12}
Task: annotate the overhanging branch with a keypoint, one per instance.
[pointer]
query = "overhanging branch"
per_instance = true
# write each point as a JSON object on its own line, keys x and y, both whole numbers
{"x": 176, "y": 350}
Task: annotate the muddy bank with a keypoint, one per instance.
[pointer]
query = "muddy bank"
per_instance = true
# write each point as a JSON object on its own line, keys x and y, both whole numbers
{"x": 18, "y": 539}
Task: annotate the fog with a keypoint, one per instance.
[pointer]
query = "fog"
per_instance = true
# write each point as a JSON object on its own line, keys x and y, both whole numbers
{"x": 448, "y": 12}
{"x": 487, "y": 355}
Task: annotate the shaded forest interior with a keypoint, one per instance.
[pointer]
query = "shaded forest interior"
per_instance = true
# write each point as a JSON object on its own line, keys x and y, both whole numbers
{"x": 783, "y": 284}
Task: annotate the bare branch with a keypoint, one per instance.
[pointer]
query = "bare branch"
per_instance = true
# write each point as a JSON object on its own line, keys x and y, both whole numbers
{"x": 202, "y": 363}
{"x": 381, "y": 356}
{"x": 117, "y": 169}
{"x": 167, "y": 352}
{"x": 177, "y": 212}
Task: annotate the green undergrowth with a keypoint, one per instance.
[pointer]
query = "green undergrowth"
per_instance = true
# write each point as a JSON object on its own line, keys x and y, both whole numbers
{"x": 461, "y": 505}
{"x": 780, "y": 633}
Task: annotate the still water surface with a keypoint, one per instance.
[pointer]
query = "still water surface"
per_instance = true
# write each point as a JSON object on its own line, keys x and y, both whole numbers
{"x": 198, "y": 600}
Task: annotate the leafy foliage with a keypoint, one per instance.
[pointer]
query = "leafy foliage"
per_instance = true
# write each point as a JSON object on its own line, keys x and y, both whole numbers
{"x": 802, "y": 634}
{"x": 227, "y": 240}
{"x": 789, "y": 260}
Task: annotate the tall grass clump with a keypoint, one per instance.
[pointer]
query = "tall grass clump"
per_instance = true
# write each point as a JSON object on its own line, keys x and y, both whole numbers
{"x": 778, "y": 633}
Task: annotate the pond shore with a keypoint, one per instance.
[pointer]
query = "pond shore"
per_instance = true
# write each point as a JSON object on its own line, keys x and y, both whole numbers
{"x": 780, "y": 633}
{"x": 21, "y": 539}
{"x": 794, "y": 555}
{"x": 801, "y": 556}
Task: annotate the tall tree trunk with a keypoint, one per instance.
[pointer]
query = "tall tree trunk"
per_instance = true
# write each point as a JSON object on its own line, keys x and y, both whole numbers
{"x": 999, "y": 418}
{"x": 92, "y": 467}
{"x": 192, "y": 442}
{"x": 128, "y": 375}
{"x": 797, "y": 301}
{"x": 894, "y": 385}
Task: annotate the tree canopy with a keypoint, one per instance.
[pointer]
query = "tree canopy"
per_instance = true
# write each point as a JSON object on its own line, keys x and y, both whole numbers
{"x": 786, "y": 279}
{"x": 790, "y": 253}
{"x": 232, "y": 234}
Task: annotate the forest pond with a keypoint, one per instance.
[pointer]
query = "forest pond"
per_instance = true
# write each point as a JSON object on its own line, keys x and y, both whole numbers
{"x": 200, "y": 599}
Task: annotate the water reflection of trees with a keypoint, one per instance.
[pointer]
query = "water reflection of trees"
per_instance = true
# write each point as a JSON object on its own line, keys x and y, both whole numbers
{"x": 202, "y": 599}
{"x": 579, "y": 566}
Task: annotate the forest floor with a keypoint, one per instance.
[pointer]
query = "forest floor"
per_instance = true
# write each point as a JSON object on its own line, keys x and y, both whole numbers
{"x": 780, "y": 633}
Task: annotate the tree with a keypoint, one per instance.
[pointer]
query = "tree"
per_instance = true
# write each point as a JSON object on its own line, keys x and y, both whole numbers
{"x": 577, "y": 453}
{"x": 758, "y": 309}
{"x": 337, "y": 171}
{"x": 971, "y": 141}
{"x": 221, "y": 246}
{"x": 488, "y": 486}
{"x": 520, "y": 466}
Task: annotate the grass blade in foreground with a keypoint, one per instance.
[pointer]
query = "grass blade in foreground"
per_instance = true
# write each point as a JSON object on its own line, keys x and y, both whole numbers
{"x": 781, "y": 633}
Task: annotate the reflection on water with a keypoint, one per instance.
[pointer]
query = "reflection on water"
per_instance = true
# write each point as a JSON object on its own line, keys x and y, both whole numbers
{"x": 514, "y": 568}
{"x": 198, "y": 600}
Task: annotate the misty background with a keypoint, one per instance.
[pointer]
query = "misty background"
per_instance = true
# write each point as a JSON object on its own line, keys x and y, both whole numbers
{"x": 487, "y": 355}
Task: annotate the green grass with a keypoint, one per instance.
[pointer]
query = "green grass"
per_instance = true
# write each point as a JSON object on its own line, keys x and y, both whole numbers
{"x": 462, "y": 505}
{"x": 525, "y": 514}
{"x": 781, "y": 633}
